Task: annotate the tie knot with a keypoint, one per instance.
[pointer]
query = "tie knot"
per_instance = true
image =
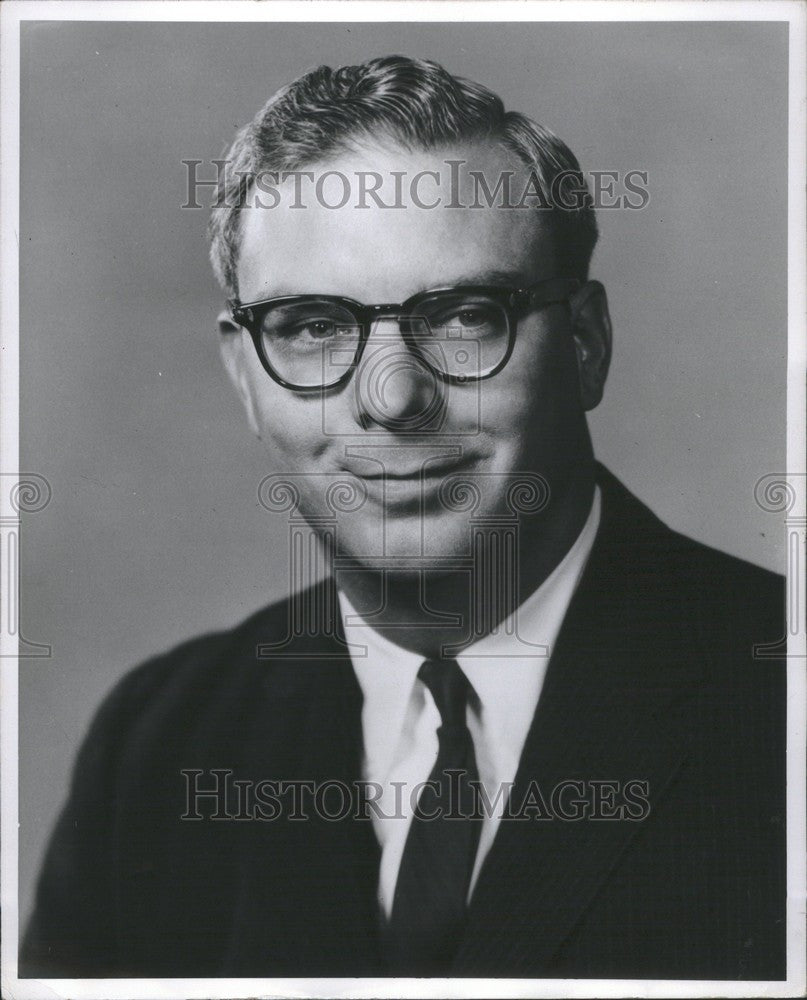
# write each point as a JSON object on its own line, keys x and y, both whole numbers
{"x": 449, "y": 687}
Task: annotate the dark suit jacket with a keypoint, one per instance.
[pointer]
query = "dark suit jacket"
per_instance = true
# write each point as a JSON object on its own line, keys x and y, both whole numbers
{"x": 652, "y": 678}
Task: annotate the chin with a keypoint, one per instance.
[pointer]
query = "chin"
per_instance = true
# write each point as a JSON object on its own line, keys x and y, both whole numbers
{"x": 407, "y": 544}
{"x": 424, "y": 543}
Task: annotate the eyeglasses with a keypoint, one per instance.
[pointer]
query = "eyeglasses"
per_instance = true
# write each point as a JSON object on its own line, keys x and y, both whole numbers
{"x": 461, "y": 334}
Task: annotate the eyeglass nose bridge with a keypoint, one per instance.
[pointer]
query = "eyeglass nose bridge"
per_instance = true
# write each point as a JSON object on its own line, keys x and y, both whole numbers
{"x": 405, "y": 320}
{"x": 393, "y": 310}
{"x": 390, "y": 307}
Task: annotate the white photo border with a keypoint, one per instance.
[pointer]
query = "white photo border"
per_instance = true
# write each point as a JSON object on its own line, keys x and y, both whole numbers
{"x": 15, "y": 12}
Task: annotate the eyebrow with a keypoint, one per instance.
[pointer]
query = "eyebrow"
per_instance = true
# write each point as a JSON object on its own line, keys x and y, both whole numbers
{"x": 491, "y": 276}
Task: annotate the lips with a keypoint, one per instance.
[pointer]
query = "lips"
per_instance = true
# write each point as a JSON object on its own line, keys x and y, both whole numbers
{"x": 410, "y": 489}
{"x": 427, "y": 469}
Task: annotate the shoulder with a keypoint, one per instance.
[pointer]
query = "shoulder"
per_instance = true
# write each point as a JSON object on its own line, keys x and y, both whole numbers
{"x": 197, "y": 661}
{"x": 202, "y": 681}
{"x": 695, "y": 582}
{"x": 728, "y": 576}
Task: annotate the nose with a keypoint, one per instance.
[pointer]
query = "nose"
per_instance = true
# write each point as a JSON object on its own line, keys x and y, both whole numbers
{"x": 394, "y": 388}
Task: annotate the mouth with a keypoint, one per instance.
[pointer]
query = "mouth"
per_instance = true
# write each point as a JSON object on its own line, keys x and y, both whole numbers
{"x": 409, "y": 488}
{"x": 428, "y": 469}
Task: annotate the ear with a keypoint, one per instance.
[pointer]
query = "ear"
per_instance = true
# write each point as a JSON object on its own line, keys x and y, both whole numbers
{"x": 233, "y": 348}
{"x": 591, "y": 329}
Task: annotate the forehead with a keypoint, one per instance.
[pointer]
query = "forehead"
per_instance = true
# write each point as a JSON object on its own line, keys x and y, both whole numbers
{"x": 386, "y": 252}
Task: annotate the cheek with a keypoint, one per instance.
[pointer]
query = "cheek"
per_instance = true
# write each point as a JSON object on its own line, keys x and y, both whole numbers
{"x": 532, "y": 408}
{"x": 290, "y": 424}
{"x": 533, "y": 379}
{"x": 545, "y": 374}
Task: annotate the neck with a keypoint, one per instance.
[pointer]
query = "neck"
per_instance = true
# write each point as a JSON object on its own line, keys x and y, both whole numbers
{"x": 425, "y": 610}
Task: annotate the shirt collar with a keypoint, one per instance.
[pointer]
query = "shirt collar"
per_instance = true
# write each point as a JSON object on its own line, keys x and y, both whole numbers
{"x": 387, "y": 676}
{"x": 507, "y": 667}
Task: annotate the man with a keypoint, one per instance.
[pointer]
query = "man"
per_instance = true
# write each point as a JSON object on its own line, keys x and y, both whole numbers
{"x": 566, "y": 760}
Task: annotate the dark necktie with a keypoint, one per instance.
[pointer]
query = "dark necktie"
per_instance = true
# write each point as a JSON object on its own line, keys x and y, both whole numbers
{"x": 428, "y": 910}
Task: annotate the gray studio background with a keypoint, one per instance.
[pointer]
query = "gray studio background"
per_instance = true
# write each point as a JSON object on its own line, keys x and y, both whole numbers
{"x": 154, "y": 532}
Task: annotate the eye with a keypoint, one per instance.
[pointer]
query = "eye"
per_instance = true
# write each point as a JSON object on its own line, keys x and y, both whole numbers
{"x": 316, "y": 329}
{"x": 311, "y": 330}
{"x": 473, "y": 316}
{"x": 479, "y": 319}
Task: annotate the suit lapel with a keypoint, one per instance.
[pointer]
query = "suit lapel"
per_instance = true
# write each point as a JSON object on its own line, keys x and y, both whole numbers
{"x": 610, "y": 710}
{"x": 307, "y": 899}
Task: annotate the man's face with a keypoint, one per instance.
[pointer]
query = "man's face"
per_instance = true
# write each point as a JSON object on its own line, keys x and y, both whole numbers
{"x": 395, "y": 430}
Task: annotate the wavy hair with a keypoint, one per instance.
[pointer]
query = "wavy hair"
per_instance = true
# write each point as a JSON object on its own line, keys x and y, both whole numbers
{"x": 414, "y": 103}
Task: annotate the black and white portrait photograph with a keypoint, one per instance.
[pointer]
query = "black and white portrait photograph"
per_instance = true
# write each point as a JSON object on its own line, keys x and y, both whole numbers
{"x": 403, "y": 499}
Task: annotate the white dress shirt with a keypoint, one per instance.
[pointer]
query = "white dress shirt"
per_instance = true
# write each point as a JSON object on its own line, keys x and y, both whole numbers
{"x": 400, "y": 719}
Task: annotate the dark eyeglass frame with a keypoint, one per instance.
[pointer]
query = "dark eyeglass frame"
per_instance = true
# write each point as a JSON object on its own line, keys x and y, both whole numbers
{"x": 515, "y": 302}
